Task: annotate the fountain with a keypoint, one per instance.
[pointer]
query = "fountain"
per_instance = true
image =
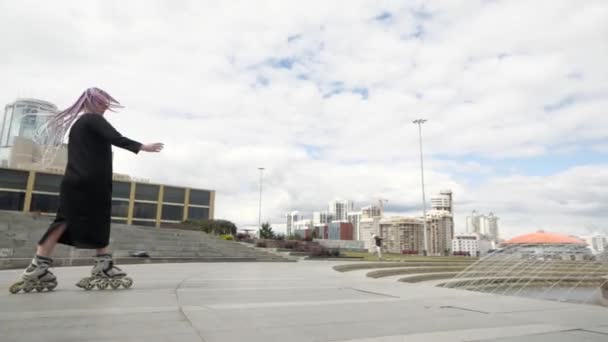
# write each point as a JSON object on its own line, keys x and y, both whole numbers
{"x": 564, "y": 270}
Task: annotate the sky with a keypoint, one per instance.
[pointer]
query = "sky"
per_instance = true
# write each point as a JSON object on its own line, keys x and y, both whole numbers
{"x": 322, "y": 94}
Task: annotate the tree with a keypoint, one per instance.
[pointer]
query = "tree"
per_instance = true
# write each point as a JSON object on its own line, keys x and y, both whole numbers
{"x": 218, "y": 227}
{"x": 266, "y": 231}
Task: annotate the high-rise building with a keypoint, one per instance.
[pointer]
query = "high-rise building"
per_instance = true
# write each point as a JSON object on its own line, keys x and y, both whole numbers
{"x": 402, "y": 234}
{"x": 292, "y": 218}
{"x": 371, "y": 211}
{"x": 340, "y": 209}
{"x": 440, "y": 232}
{"x": 354, "y": 217}
{"x": 442, "y": 201}
{"x": 485, "y": 226}
{"x": 321, "y": 217}
{"x": 19, "y": 124}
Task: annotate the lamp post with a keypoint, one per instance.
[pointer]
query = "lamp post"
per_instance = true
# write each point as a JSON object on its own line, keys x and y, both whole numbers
{"x": 260, "y": 206}
{"x": 419, "y": 122}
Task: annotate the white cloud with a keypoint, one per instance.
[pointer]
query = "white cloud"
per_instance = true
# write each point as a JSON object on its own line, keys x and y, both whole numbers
{"x": 481, "y": 72}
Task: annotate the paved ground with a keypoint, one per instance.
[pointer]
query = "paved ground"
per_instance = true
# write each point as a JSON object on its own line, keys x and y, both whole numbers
{"x": 304, "y": 301}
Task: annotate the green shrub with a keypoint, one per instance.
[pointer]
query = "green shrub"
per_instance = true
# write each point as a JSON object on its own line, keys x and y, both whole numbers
{"x": 227, "y": 237}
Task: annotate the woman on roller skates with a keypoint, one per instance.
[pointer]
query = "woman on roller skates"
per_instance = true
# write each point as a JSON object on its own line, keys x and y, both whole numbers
{"x": 83, "y": 217}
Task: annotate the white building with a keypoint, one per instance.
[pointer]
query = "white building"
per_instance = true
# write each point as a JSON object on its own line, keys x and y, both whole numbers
{"x": 367, "y": 227}
{"x": 485, "y": 226}
{"x": 340, "y": 209}
{"x": 471, "y": 244}
{"x": 321, "y": 217}
{"x": 597, "y": 243}
{"x": 22, "y": 119}
{"x": 292, "y": 218}
{"x": 355, "y": 218}
{"x": 371, "y": 211}
{"x": 442, "y": 201}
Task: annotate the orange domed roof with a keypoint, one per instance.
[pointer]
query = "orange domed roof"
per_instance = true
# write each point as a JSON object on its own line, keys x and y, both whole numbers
{"x": 542, "y": 237}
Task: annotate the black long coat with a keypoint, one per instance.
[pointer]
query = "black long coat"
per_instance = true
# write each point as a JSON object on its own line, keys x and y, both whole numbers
{"x": 85, "y": 204}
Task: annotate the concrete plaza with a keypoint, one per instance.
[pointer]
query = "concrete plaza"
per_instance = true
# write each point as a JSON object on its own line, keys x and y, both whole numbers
{"x": 303, "y": 301}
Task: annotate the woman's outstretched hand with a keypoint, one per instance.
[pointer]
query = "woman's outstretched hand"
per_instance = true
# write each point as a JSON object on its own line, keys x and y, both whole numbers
{"x": 154, "y": 147}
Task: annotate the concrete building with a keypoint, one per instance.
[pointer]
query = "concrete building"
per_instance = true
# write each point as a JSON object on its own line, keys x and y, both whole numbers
{"x": 442, "y": 201}
{"x": 371, "y": 211}
{"x": 292, "y": 217}
{"x": 402, "y": 235}
{"x": 597, "y": 243}
{"x": 321, "y": 217}
{"x": 22, "y": 118}
{"x": 483, "y": 225}
{"x": 341, "y": 231}
{"x": 367, "y": 227}
{"x": 471, "y": 245}
{"x": 354, "y": 218}
{"x": 144, "y": 204}
{"x": 440, "y": 232}
{"x": 340, "y": 209}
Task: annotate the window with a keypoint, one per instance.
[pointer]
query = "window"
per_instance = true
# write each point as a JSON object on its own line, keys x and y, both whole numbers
{"x": 199, "y": 197}
{"x": 173, "y": 212}
{"x": 13, "y": 179}
{"x": 121, "y": 190}
{"x": 144, "y": 210}
{"x": 120, "y": 208}
{"x": 144, "y": 223}
{"x": 45, "y": 203}
{"x": 174, "y": 195}
{"x": 195, "y": 213}
{"x": 47, "y": 182}
{"x": 146, "y": 192}
{"x": 11, "y": 200}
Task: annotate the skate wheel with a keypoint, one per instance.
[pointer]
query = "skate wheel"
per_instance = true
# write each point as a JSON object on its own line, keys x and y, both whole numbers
{"x": 127, "y": 282}
{"x": 102, "y": 285}
{"x": 115, "y": 283}
{"x": 28, "y": 288}
{"x": 51, "y": 286}
{"x": 39, "y": 288}
{"x": 88, "y": 286}
{"x": 16, "y": 287}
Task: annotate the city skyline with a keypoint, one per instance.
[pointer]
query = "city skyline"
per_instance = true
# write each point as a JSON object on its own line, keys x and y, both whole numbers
{"x": 323, "y": 96}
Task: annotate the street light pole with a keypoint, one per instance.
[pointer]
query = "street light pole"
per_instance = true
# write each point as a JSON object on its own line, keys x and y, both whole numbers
{"x": 419, "y": 122}
{"x": 260, "y": 207}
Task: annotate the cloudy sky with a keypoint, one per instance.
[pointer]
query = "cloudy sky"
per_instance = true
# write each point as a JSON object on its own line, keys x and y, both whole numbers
{"x": 322, "y": 94}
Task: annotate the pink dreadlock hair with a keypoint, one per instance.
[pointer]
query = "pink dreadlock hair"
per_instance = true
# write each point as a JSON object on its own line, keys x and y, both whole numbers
{"x": 93, "y": 99}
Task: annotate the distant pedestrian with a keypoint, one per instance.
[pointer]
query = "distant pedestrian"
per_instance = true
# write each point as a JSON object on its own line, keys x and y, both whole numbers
{"x": 378, "y": 244}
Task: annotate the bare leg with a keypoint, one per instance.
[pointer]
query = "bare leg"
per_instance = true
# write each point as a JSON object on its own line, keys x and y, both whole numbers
{"x": 46, "y": 248}
{"x": 101, "y": 251}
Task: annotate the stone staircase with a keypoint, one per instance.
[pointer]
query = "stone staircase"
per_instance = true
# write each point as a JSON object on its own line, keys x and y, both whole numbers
{"x": 19, "y": 234}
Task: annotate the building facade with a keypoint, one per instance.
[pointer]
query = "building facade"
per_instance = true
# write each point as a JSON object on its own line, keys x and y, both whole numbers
{"x": 321, "y": 217}
{"x": 136, "y": 203}
{"x": 354, "y": 218}
{"x": 442, "y": 201}
{"x": 368, "y": 227}
{"x": 371, "y": 211}
{"x": 340, "y": 209}
{"x": 340, "y": 231}
{"x": 440, "y": 232}
{"x": 402, "y": 235}
{"x": 22, "y": 118}
{"x": 292, "y": 218}
{"x": 471, "y": 245}
{"x": 486, "y": 226}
